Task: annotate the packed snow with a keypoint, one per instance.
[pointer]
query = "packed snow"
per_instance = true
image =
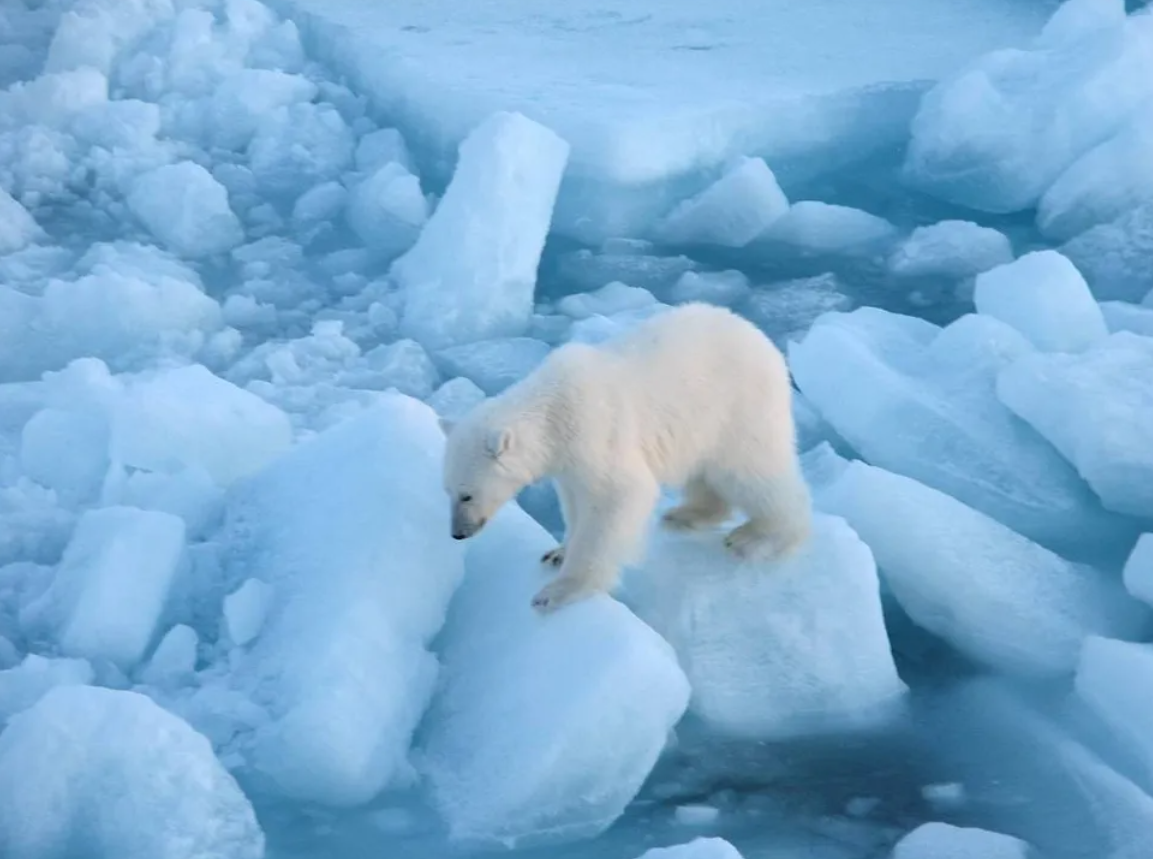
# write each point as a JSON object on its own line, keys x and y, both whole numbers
{"x": 251, "y": 253}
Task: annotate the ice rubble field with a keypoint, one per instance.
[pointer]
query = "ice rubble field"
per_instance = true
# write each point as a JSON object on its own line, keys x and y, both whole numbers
{"x": 249, "y": 252}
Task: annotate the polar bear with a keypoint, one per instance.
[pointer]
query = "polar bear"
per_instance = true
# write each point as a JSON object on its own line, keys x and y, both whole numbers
{"x": 694, "y": 397}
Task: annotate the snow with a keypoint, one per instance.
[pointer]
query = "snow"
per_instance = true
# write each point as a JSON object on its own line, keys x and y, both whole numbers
{"x": 952, "y": 568}
{"x": 112, "y": 584}
{"x": 1123, "y": 316}
{"x": 347, "y": 532}
{"x": 127, "y": 779}
{"x": 1096, "y": 409}
{"x": 186, "y": 209}
{"x": 472, "y": 272}
{"x": 773, "y": 651}
{"x": 1044, "y": 297}
{"x": 945, "y": 841}
{"x": 922, "y": 401}
{"x": 572, "y": 712}
{"x": 731, "y": 212}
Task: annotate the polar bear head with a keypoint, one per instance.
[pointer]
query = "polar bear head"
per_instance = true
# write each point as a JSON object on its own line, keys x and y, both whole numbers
{"x": 483, "y": 469}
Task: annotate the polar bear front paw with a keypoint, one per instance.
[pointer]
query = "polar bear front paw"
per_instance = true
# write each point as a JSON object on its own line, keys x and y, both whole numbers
{"x": 553, "y": 557}
{"x": 558, "y": 593}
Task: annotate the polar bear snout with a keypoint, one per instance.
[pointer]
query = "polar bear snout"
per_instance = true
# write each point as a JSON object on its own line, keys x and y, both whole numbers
{"x": 464, "y": 523}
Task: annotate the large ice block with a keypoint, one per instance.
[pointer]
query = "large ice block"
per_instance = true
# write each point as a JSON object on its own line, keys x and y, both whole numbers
{"x": 472, "y": 273}
{"x": 544, "y": 727}
{"x": 773, "y": 650}
{"x": 994, "y": 595}
{"x": 350, "y": 533}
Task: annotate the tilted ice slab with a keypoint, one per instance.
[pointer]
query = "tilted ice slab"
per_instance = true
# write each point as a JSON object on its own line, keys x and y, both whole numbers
{"x": 657, "y": 90}
{"x": 545, "y": 727}
{"x": 773, "y": 650}
{"x": 350, "y": 532}
{"x": 922, "y": 401}
{"x": 994, "y": 595}
{"x": 1097, "y": 409}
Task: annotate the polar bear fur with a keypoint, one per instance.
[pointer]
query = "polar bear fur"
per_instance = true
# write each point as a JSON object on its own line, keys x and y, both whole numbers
{"x": 694, "y": 397}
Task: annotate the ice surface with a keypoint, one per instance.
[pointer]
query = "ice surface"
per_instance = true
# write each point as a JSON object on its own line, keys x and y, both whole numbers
{"x": 698, "y": 848}
{"x": 787, "y": 309}
{"x": 493, "y": 364}
{"x": 1115, "y": 678}
{"x": 663, "y": 90}
{"x": 614, "y": 297}
{"x": 455, "y": 397}
{"x": 998, "y": 133}
{"x": 472, "y": 272}
{"x": 380, "y": 147}
{"x": 814, "y": 227}
{"x": 242, "y": 101}
{"x": 1123, "y": 316}
{"x": 402, "y": 364}
{"x": 66, "y": 450}
{"x": 126, "y": 780}
{"x": 190, "y": 493}
{"x": 298, "y": 146}
{"x": 1043, "y": 296}
{"x": 921, "y": 401}
{"x": 174, "y": 660}
{"x": 722, "y": 287}
{"x": 1117, "y": 258}
{"x": 18, "y": 228}
{"x": 953, "y": 569}
{"x": 731, "y": 212}
{"x": 543, "y": 729}
{"x": 31, "y": 680}
{"x": 387, "y": 210}
{"x": 350, "y": 531}
{"x": 245, "y": 610}
{"x": 952, "y": 249}
{"x": 112, "y": 312}
{"x": 773, "y": 651}
{"x": 945, "y": 841}
{"x": 186, "y": 209}
{"x": 598, "y": 328}
{"x": 1105, "y": 183}
{"x": 188, "y": 416}
{"x": 112, "y": 584}
{"x": 1097, "y": 409}
{"x": 1138, "y": 572}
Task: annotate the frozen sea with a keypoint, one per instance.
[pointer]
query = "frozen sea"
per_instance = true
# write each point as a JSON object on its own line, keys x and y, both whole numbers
{"x": 251, "y": 250}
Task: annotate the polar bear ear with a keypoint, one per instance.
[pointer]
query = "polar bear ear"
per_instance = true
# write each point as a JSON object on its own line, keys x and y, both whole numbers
{"x": 498, "y": 442}
{"x": 446, "y": 425}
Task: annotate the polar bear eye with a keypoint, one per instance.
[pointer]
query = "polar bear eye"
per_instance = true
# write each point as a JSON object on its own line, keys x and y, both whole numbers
{"x": 465, "y": 498}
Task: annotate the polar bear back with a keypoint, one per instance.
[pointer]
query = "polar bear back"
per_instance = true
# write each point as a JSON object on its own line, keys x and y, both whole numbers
{"x": 692, "y": 387}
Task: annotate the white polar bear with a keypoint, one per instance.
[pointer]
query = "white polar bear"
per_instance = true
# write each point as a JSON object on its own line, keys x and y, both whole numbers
{"x": 694, "y": 397}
